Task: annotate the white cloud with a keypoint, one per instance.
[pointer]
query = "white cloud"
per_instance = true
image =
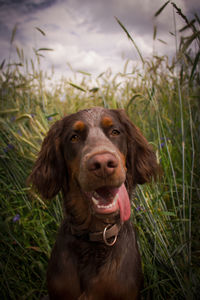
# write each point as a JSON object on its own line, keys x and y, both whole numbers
{"x": 86, "y": 34}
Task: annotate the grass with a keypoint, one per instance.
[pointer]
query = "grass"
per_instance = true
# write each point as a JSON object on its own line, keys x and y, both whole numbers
{"x": 164, "y": 103}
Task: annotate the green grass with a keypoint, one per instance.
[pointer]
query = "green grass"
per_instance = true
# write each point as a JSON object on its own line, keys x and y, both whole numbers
{"x": 164, "y": 103}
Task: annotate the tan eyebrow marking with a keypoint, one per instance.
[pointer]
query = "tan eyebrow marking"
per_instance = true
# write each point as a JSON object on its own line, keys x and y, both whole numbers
{"x": 107, "y": 122}
{"x": 79, "y": 125}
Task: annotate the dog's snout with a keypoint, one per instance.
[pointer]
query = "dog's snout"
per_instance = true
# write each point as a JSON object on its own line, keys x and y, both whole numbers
{"x": 102, "y": 164}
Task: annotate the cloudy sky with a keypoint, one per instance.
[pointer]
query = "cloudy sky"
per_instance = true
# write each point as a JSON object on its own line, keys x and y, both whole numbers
{"x": 85, "y": 33}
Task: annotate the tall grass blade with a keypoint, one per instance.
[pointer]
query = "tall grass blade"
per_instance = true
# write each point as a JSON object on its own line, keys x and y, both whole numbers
{"x": 132, "y": 99}
{"x": 189, "y": 41}
{"x": 191, "y": 24}
{"x": 129, "y": 36}
{"x": 194, "y": 67}
{"x": 2, "y": 64}
{"x": 45, "y": 49}
{"x": 13, "y": 34}
{"x": 77, "y": 87}
{"x": 161, "y": 9}
{"x": 154, "y": 32}
{"x": 163, "y": 42}
{"x": 197, "y": 18}
{"x": 187, "y": 26}
{"x": 40, "y": 30}
{"x": 84, "y": 73}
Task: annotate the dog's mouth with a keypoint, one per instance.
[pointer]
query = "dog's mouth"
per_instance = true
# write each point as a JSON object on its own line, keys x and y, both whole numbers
{"x": 107, "y": 200}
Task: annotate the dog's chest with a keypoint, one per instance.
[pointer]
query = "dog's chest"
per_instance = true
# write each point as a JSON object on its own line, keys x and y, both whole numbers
{"x": 92, "y": 258}
{"x": 97, "y": 264}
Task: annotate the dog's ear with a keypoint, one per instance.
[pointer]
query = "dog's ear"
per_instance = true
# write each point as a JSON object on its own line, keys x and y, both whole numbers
{"x": 141, "y": 160}
{"x": 49, "y": 169}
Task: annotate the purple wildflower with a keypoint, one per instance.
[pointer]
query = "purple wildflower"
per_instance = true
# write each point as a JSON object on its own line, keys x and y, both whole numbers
{"x": 5, "y": 150}
{"x": 139, "y": 208}
{"x": 162, "y": 145}
{"x": 12, "y": 119}
{"x": 16, "y": 218}
{"x": 9, "y": 147}
{"x": 164, "y": 141}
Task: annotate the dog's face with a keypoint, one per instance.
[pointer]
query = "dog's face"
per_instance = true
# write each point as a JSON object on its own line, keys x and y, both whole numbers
{"x": 97, "y": 145}
{"x": 95, "y": 150}
{"x": 93, "y": 155}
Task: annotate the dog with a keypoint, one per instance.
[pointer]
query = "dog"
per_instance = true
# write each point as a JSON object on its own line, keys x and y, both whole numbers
{"x": 95, "y": 157}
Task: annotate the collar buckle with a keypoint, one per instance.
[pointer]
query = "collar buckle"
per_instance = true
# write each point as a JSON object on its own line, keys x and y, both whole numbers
{"x": 110, "y": 231}
{"x": 105, "y": 238}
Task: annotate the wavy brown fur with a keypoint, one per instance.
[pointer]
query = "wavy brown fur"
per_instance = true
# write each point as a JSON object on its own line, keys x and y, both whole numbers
{"x": 78, "y": 268}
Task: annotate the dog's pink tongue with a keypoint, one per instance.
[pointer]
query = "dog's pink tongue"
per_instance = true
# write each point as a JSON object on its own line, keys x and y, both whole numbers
{"x": 124, "y": 204}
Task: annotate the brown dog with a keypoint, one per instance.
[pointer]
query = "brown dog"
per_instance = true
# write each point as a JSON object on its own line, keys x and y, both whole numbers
{"x": 95, "y": 157}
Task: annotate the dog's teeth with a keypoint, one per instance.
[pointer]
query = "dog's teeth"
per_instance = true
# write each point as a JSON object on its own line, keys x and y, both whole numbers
{"x": 96, "y": 195}
{"x": 96, "y": 202}
{"x": 115, "y": 199}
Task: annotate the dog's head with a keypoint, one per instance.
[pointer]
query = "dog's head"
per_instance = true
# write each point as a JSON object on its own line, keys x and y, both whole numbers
{"x": 96, "y": 155}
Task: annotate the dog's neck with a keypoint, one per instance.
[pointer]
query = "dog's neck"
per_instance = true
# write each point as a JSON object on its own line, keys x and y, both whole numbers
{"x": 87, "y": 220}
{"x": 104, "y": 230}
{"x": 82, "y": 221}
{"x": 90, "y": 226}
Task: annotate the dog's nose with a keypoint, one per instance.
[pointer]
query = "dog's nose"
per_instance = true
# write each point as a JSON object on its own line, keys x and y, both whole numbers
{"x": 103, "y": 164}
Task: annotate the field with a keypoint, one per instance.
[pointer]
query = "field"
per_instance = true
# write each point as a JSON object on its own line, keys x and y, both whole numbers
{"x": 162, "y": 98}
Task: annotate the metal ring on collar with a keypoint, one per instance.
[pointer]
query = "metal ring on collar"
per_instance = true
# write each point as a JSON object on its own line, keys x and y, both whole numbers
{"x": 105, "y": 240}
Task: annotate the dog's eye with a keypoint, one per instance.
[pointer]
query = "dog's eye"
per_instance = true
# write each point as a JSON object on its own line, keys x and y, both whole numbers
{"x": 74, "y": 138}
{"x": 115, "y": 132}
